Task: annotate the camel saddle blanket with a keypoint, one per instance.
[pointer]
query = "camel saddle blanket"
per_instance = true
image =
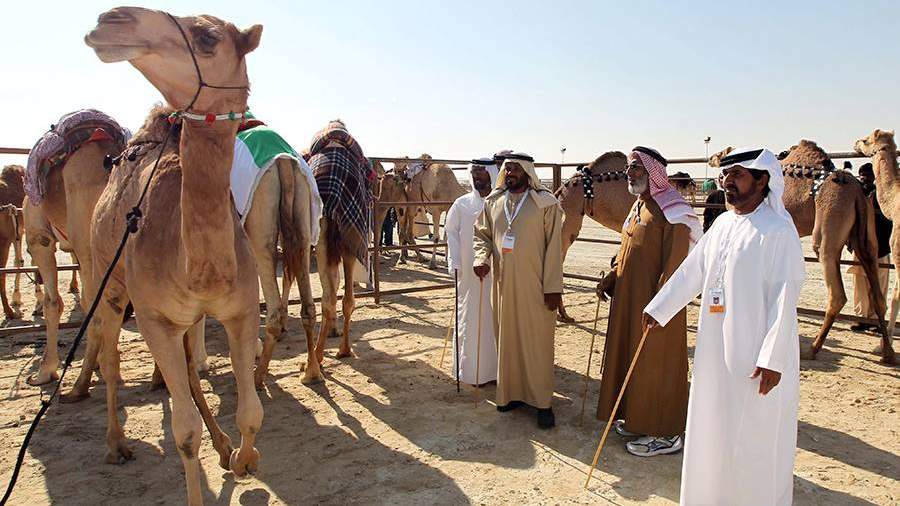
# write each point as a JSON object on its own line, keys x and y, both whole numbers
{"x": 256, "y": 150}
{"x": 72, "y": 131}
{"x": 344, "y": 176}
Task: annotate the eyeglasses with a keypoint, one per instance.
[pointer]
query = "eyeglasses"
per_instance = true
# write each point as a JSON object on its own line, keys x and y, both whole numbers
{"x": 634, "y": 166}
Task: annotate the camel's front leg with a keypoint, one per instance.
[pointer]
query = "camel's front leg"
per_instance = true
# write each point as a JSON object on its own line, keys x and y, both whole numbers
{"x": 571, "y": 227}
{"x": 166, "y": 342}
{"x": 105, "y": 329}
{"x": 837, "y": 298}
{"x": 19, "y": 262}
{"x": 241, "y": 343}
{"x": 221, "y": 441}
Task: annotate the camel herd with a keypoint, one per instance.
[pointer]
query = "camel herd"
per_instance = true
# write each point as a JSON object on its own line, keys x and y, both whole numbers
{"x": 190, "y": 256}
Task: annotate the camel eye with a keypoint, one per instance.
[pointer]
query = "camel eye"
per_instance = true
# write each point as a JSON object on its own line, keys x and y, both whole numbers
{"x": 206, "y": 40}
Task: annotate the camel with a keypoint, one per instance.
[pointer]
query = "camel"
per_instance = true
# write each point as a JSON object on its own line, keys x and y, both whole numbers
{"x": 435, "y": 183}
{"x": 684, "y": 183}
{"x": 63, "y": 218}
{"x": 882, "y": 149}
{"x": 609, "y": 206}
{"x": 838, "y": 214}
{"x": 189, "y": 256}
{"x": 390, "y": 188}
{"x": 12, "y": 193}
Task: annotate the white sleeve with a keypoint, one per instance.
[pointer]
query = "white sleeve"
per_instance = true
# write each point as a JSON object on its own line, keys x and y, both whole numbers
{"x": 783, "y": 290}
{"x": 451, "y": 230}
{"x": 682, "y": 287}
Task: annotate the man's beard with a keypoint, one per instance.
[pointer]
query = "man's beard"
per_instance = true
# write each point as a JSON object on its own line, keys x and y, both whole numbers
{"x": 480, "y": 185}
{"x": 516, "y": 184}
{"x": 639, "y": 186}
{"x": 733, "y": 196}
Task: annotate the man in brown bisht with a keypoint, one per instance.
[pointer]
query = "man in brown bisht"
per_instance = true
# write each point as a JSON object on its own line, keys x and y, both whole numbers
{"x": 519, "y": 235}
{"x": 656, "y": 237}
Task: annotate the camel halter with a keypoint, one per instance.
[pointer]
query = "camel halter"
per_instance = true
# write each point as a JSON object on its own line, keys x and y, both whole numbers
{"x": 208, "y": 118}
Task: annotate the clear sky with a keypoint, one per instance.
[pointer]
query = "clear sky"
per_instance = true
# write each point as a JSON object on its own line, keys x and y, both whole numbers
{"x": 463, "y": 79}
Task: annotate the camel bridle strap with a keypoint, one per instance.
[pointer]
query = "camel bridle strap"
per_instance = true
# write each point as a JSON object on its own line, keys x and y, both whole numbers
{"x": 201, "y": 83}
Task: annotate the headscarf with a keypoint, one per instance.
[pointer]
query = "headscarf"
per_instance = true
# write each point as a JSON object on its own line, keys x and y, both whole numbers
{"x": 762, "y": 159}
{"x": 672, "y": 204}
{"x": 488, "y": 165}
{"x": 542, "y": 196}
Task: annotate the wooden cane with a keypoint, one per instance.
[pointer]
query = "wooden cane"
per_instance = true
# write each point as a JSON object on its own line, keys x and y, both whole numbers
{"x": 478, "y": 344}
{"x": 612, "y": 414}
{"x": 446, "y": 339}
{"x": 587, "y": 373}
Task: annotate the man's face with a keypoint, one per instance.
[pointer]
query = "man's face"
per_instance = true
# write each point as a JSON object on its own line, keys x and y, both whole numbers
{"x": 638, "y": 180}
{"x": 867, "y": 177}
{"x": 516, "y": 178}
{"x": 740, "y": 186}
{"x": 481, "y": 180}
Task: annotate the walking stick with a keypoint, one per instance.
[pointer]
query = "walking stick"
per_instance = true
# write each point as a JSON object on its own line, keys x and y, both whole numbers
{"x": 587, "y": 373}
{"x": 478, "y": 344}
{"x": 446, "y": 338}
{"x": 612, "y": 414}
{"x": 456, "y": 321}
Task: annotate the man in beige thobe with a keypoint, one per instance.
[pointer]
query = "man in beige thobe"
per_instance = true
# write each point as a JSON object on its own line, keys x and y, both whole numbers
{"x": 861, "y": 291}
{"x": 518, "y": 236}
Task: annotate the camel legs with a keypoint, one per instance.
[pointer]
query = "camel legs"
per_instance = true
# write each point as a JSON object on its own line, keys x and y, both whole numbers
{"x": 73, "y": 284}
{"x": 571, "y": 227}
{"x": 7, "y": 310}
{"x": 348, "y": 303}
{"x": 313, "y": 373}
{"x": 42, "y": 248}
{"x": 436, "y": 236}
{"x": 242, "y": 333}
{"x": 104, "y": 328}
{"x": 837, "y": 298}
{"x": 328, "y": 277}
{"x": 221, "y": 441}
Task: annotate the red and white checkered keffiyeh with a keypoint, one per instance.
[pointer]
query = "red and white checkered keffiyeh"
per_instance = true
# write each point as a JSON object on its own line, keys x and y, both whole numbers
{"x": 672, "y": 204}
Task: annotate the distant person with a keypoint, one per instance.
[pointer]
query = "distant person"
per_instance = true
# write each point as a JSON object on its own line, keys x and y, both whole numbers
{"x": 883, "y": 227}
{"x": 715, "y": 205}
{"x": 656, "y": 238}
{"x": 519, "y": 237}
{"x": 387, "y": 229}
{"x": 742, "y": 416}
{"x": 460, "y": 232}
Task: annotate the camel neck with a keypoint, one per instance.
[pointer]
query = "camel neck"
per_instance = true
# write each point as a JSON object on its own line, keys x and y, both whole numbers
{"x": 884, "y": 162}
{"x": 207, "y": 224}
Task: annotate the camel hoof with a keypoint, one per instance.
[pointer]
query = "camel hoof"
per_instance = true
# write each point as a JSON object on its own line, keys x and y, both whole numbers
{"x": 311, "y": 378}
{"x": 808, "y": 353}
{"x": 15, "y": 314}
{"x": 225, "y": 456}
{"x": 73, "y": 290}
{"x": 889, "y": 358}
{"x": 259, "y": 379}
{"x": 241, "y": 466}
{"x": 42, "y": 378}
{"x": 348, "y": 353}
{"x": 120, "y": 455}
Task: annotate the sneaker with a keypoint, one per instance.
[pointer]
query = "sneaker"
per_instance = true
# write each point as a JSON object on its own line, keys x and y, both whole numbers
{"x": 648, "y": 446}
{"x": 510, "y": 406}
{"x": 619, "y": 426}
{"x": 545, "y": 418}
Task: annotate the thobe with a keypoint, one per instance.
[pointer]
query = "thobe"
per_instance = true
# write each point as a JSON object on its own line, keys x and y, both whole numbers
{"x": 460, "y": 229}
{"x": 521, "y": 278}
{"x": 862, "y": 303}
{"x": 740, "y": 445}
{"x": 655, "y": 402}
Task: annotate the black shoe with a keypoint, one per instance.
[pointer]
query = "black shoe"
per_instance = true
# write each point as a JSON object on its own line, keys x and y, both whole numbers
{"x": 545, "y": 418}
{"x": 510, "y": 406}
{"x": 860, "y": 327}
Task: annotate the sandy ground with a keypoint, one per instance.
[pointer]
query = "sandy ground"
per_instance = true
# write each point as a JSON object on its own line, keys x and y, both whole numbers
{"x": 388, "y": 427}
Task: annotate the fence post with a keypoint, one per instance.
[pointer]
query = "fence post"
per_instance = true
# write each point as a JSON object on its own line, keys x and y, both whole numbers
{"x": 557, "y": 177}
{"x": 376, "y": 255}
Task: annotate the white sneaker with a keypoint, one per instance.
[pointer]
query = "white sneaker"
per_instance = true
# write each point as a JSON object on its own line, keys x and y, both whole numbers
{"x": 648, "y": 446}
{"x": 619, "y": 425}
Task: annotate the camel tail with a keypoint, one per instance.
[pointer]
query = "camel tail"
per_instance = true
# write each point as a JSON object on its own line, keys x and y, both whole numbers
{"x": 289, "y": 224}
{"x": 865, "y": 244}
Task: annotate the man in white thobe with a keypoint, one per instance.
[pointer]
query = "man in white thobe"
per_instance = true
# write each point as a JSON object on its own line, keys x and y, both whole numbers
{"x": 460, "y": 230}
{"x": 742, "y": 415}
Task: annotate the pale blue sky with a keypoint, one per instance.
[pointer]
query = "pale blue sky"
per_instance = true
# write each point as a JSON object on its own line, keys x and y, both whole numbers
{"x": 464, "y": 79}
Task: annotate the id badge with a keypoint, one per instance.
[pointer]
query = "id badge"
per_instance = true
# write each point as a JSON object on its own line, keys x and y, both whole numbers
{"x": 716, "y": 300}
{"x": 509, "y": 242}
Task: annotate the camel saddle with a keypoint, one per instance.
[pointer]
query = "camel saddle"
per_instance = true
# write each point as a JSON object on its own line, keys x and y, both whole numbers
{"x": 72, "y": 131}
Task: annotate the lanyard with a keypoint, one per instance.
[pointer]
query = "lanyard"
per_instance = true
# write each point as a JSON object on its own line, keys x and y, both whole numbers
{"x": 722, "y": 254}
{"x": 509, "y": 219}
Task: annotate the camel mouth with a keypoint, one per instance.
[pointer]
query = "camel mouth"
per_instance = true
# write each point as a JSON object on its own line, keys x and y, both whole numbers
{"x": 112, "y": 52}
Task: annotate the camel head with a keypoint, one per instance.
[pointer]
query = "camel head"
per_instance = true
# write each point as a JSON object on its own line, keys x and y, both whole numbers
{"x": 715, "y": 159}
{"x": 151, "y": 41}
{"x": 877, "y": 140}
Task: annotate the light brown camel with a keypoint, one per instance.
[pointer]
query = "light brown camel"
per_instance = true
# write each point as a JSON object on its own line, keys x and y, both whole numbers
{"x": 12, "y": 193}
{"x": 189, "y": 256}
{"x": 609, "y": 207}
{"x": 838, "y": 215}
{"x": 390, "y": 188}
{"x": 434, "y": 183}
{"x": 881, "y": 147}
{"x": 684, "y": 183}
{"x": 64, "y": 218}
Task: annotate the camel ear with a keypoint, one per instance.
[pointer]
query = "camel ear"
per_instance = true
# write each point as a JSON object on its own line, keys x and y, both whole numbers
{"x": 248, "y": 39}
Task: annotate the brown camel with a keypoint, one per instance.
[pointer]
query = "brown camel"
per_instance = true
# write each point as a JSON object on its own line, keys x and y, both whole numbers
{"x": 609, "y": 206}
{"x": 838, "y": 214}
{"x": 12, "y": 193}
{"x": 882, "y": 149}
{"x": 684, "y": 183}
{"x": 189, "y": 256}
{"x": 390, "y": 188}
{"x": 434, "y": 183}
{"x": 64, "y": 217}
